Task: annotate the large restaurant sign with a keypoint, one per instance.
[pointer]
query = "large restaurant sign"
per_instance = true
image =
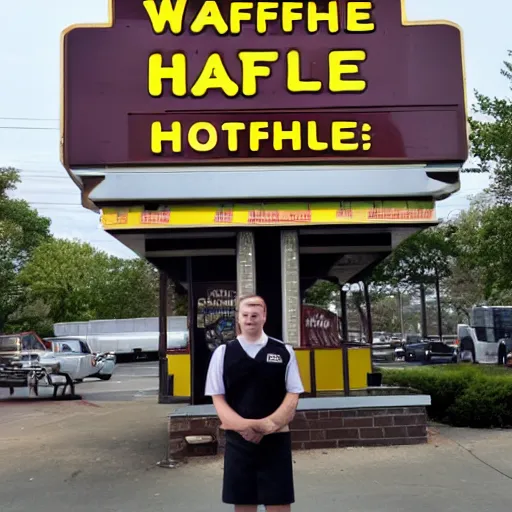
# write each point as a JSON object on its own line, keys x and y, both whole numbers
{"x": 194, "y": 81}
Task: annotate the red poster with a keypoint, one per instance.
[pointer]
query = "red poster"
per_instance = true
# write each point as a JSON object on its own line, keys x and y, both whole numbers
{"x": 320, "y": 328}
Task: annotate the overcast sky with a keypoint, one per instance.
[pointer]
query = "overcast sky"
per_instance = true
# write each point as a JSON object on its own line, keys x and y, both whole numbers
{"x": 30, "y": 96}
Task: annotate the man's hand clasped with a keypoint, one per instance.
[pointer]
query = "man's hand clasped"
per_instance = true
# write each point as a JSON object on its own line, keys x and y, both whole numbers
{"x": 256, "y": 429}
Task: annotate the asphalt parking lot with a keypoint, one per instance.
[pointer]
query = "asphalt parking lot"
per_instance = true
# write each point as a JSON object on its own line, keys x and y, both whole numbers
{"x": 101, "y": 453}
{"x": 131, "y": 381}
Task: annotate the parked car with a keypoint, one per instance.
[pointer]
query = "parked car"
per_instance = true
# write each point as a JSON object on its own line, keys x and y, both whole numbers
{"x": 78, "y": 359}
{"x": 451, "y": 339}
{"x": 25, "y": 361}
{"x": 429, "y": 350}
{"x": 386, "y": 349}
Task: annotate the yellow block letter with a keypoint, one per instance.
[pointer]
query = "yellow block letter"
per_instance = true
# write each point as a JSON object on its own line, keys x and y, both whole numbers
{"x": 209, "y": 14}
{"x": 158, "y": 136}
{"x": 214, "y": 76}
{"x": 166, "y": 14}
{"x": 177, "y": 72}
{"x": 196, "y": 144}
{"x": 331, "y": 16}
{"x": 358, "y": 14}
{"x": 313, "y": 142}
{"x": 236, "y": 15}
{"x": 256, "y": 134}
{"x": 294, "y": 83}
{"x": 340, "y": 131}
{"x": 294, "y": 135}
{"x": 289, "y": 16}
{"x": 263, "y": 15}
{"x": 338, "y": 66}
{"x": 251, "y": 70}
{"x": 232, "y": 130}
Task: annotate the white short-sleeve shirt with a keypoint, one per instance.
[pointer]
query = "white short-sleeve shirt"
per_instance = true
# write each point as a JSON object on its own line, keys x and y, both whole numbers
{"x": 215, "y": 376}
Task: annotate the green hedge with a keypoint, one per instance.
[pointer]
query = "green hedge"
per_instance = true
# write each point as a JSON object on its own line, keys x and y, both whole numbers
{"x": 462, "y": 395}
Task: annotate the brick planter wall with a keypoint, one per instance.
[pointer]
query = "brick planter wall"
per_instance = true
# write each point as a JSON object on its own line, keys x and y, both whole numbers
{"x": 359, "y": 427}
{"x": 313, "y": 429}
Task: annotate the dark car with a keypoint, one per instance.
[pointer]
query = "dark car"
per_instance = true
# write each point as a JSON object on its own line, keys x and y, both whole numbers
{"x": 428, "y": 350}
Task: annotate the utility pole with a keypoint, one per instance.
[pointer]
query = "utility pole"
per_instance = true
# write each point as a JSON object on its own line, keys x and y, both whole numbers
{"x": 439, "y": 312}
{"x": 424, "y": 331}
{"x": 401, "y": 309}
{"x": 368, "y": 312}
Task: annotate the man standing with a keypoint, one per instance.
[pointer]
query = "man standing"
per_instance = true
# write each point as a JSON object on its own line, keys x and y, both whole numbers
{"x": 255, "y": 384}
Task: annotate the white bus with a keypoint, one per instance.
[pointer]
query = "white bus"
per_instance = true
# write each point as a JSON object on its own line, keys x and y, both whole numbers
{"x": 488, "y": 338}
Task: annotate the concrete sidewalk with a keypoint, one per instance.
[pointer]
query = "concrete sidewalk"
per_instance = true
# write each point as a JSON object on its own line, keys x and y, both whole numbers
{"x": 73, "y": 456}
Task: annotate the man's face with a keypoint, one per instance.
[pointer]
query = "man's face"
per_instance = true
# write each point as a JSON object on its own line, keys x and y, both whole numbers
{"x": 251, "y": 317}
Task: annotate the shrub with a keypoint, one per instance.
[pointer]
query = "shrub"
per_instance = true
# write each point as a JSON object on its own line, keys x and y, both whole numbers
{"x": 462, "y": 395}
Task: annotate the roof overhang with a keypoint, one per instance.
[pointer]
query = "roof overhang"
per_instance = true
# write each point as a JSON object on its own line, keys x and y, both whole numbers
{"x": 285, "y": 182}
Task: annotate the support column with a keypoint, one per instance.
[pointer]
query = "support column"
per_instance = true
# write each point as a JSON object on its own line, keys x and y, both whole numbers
{"x": 368, "y": 313}
{"x": 191, "y": 321}
{"x": 344, "y": 318}
{"x": 245, "y": 264}
{"x": 344, "y": 347}
{"x": 267, "y": 243}
{"x": 290, "y": 285}
{"x": 163, "y": 392}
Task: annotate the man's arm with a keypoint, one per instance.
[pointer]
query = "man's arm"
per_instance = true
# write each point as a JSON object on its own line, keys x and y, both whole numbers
{"x": 215, "y": 388}
{"x": 281, "y": 417}
{"x": 285, "y": 413}
{"x": 230, "y": 420}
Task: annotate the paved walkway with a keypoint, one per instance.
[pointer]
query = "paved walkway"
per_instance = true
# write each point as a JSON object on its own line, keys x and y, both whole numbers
{"x": 74, "y": 456}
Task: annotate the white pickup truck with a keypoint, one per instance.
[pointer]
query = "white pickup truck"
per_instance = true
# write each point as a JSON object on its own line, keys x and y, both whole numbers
{"x": 77, "y": 359}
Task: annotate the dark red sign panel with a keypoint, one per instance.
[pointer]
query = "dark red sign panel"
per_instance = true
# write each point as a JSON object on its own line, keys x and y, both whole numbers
{"x": 320, "y": 328}
{"x": 194, "y": 81}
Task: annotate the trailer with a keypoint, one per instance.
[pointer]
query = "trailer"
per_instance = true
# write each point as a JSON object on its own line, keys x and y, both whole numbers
{"x": 137, "y": 337}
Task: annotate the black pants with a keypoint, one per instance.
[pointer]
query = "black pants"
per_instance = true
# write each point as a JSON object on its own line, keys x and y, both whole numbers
{"x": 258, "y": 474}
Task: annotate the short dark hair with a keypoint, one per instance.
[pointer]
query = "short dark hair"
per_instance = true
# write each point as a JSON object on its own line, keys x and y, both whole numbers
{"x": 244, "y": 298}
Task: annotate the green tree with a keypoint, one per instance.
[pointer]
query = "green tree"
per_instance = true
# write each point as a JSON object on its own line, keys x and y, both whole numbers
{"x": 70, "y": 277}
{"x": 386, "y": 314}
{"x": 419, "y": 259}
{"x": 130, "y": 290}
{"x": 465, "y": 286}
{"x": 78, "y": 282}
{"x": 32, "y": 315}
{"x": 422, "y": 260}
{"x": 491, "y": 138}
{"x": 322, "y": 294}
{"x": 492, "y": 253}
{"x": 177, "y": 304}
{"x": 22, "y": 230}
{"x": 482, "y": 271}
